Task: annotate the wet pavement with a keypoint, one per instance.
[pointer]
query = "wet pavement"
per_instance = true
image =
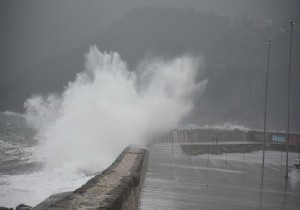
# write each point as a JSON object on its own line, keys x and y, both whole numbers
{"x": 227, "y": 181}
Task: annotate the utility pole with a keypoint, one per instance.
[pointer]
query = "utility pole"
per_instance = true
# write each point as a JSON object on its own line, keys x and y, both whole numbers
{"x": 289, "y": 93}
{"x": 265, "y": 114}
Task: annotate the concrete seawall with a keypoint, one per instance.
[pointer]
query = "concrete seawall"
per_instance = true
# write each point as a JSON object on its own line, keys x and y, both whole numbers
{"x": 117, "y": 187}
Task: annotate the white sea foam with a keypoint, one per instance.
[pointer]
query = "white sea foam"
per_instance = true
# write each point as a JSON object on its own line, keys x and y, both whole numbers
{"x": 10, "y": 113}
{"x": 32, "y": 188}
{"x": 105, "y": 109}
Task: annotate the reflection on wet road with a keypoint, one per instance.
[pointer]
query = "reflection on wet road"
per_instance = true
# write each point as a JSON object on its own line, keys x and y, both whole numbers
{"x": 227, "y": 181}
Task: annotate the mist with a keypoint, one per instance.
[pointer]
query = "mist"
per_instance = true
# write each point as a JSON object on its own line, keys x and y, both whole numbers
{"x": 108, "y": 107}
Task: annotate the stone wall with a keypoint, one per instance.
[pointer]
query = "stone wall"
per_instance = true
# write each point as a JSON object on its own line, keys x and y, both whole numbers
{"x": 206, "y": 135}
{"x": 223, "y": 135}
{"x": 118, "y": 187}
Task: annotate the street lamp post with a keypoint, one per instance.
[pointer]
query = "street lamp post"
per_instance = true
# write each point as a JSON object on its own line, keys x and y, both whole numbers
{"x": 265, "y": 113}
{"x": 289, "y": 93}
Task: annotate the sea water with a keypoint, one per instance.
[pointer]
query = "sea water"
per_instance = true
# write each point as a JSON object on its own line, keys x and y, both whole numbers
{"x": 22, "y": 178}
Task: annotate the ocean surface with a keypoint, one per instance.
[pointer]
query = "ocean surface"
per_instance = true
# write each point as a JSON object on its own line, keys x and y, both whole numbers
{"x": 23, "y": 178}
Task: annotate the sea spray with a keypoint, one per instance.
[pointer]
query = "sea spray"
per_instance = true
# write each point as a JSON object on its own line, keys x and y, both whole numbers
{"x": 107, "y": 108}
{"x": 103, "y": 110}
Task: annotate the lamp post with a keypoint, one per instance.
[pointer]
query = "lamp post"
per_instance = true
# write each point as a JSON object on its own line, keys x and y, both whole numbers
{"x": 265, "y": 113}
{"x": 289, "y": 93}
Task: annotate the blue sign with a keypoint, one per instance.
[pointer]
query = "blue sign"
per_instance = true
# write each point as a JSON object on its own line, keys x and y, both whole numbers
{"x": 278, "y": 139}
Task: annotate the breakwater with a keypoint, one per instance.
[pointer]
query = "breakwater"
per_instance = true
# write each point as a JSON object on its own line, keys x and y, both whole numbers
{"x": 117, "y": 187}
{"x": 224, "y": 147}
{"x": 225, "y": 135}
{"x": 218, "y": 141}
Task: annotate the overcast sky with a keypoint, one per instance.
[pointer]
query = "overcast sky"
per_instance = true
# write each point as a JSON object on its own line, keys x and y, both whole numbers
{"x": 34, "y": 30}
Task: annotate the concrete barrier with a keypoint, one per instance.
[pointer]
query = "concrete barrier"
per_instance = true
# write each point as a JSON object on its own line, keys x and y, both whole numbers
{"x": 117, "y": 187}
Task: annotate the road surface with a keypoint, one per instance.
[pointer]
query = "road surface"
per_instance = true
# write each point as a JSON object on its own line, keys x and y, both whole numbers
{"x": 227, "y": 181}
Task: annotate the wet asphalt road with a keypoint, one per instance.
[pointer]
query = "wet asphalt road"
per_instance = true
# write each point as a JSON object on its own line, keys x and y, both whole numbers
{"x": 227, "y": 181}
